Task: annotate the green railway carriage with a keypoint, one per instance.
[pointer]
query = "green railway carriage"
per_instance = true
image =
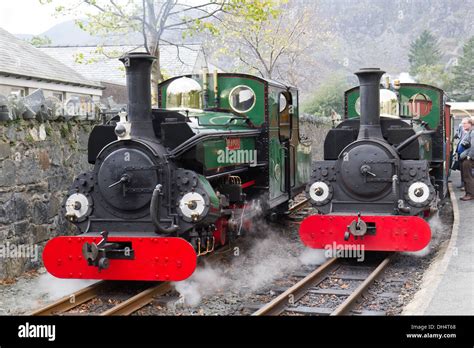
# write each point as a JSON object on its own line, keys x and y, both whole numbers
{"x": 249, "y": 127}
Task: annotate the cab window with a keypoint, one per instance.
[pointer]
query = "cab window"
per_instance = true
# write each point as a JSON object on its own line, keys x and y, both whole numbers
{"x": 284, "y": 116}
{"x": 242, "y": 99}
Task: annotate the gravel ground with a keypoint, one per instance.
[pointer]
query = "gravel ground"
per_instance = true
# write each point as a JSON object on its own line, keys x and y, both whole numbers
{"x": 223, "y": 287}
{"x": 34, "y": 290}
{"x": 402, "y": 278}
{"x": 112, "y": 294}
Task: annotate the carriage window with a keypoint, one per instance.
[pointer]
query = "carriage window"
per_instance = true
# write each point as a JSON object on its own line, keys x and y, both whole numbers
{"x": 242, "y": 99}
{"x": 19, "y": 92}
{"x": 283, "y": 103}
{"x": 388, "y": 104}
{"x": 284, "y": 116}
{"x": 184, "y": 93}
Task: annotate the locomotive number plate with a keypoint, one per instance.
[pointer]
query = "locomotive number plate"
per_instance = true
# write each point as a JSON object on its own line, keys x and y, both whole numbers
{"x": 233, "y": 143}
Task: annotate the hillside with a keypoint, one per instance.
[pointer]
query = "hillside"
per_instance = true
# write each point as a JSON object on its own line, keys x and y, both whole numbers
{"x": 365, "y": 33}
{"x": 380, "y": 32}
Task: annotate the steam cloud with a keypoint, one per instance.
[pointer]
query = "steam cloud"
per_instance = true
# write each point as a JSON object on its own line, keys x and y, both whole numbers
{"x": 35, "y": 293}
{"x": 438, "y": 232}
{"x": 206, "y": 280}
{"x": 265, "y": 256}
{"x": 54, "y": 288}
{"x": 313, "y": 256}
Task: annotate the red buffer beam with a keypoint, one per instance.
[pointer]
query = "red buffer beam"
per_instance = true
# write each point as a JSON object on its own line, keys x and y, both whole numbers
{"x": 154, "y": 259}
{"x": 387, "y": 233}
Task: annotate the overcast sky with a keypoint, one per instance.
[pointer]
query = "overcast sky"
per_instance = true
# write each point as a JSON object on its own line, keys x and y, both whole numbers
{"x": 29, "y": 16}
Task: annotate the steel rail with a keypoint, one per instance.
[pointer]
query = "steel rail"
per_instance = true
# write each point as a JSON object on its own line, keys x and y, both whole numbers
{"x": 349, "y": 302}
{"x": 138, "y": 301}
{"x": 298, "y": 205}
{"x": 71, "y": 301}
{"x": 280, "y": 304}
{"x": 297, "y": 291}
{"x": 145, "y": 297}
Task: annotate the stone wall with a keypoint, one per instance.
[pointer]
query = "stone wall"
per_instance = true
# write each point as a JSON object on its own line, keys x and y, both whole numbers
{"x": 38, "y": 162}
{"x": 316, "y": 132}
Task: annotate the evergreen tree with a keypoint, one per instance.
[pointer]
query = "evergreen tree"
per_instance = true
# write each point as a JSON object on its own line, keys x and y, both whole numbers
{"x": 424, "y": 50}
{"x": 434, "y": 75}
{"x": 463, "y": 81}
{"x": 327, "y": 98}
{"x": 40, "y": 41}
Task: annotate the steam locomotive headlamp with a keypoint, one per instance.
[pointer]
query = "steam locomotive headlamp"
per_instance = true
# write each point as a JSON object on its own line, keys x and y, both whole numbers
{"x": 122, "y": 129}
{"x": 320, "y": 192}
{"x": 418, "y": 192}
{"x": 78, "y": 206}
{"x": 192, "y": 206}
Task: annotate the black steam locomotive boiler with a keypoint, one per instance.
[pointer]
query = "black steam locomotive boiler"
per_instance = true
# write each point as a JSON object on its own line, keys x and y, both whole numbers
{"x": 376, "y": 192}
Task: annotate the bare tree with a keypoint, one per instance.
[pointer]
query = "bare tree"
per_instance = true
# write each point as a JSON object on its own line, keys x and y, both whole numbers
{"x": 155, "y": 17}
{"x": 276, "y": 48}
{"x": 151, "y": 17}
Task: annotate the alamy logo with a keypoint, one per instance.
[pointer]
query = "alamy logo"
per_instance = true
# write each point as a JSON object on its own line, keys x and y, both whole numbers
{"x": 356, "y": 251}
{"x": 37, "y": 331}
{"x": 9, "y": 250}
{"x": 237, "y": 156}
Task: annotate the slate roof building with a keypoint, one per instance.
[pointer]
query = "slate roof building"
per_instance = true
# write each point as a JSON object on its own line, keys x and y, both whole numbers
{"x": 101, "y": 64}
{"x": 24, "y": 69}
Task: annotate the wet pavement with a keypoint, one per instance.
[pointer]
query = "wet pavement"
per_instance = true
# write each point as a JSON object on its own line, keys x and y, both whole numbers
{"x": 454, "y": 294}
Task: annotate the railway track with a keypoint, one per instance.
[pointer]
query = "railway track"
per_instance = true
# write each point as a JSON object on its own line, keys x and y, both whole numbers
{"x": 299, "y": 205}
{"x": 103, "y": 290}
{"x": 71, "y": 301}
{"x": 299, "y": 211}
{"x": 288, "y": 302}
{"x": 98, "y": 290}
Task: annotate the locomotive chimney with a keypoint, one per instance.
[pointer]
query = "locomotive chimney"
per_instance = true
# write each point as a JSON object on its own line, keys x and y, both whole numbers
{"x": 369, "y": 80}
{"x": 138, "y": 70}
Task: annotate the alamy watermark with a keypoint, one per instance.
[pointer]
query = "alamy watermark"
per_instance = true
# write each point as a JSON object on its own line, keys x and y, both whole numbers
{"x": 237, "y": 156}
{"x": 21, "y": 251}
{"x": 355, "y": 251}
{"x": 28, "y": 330}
